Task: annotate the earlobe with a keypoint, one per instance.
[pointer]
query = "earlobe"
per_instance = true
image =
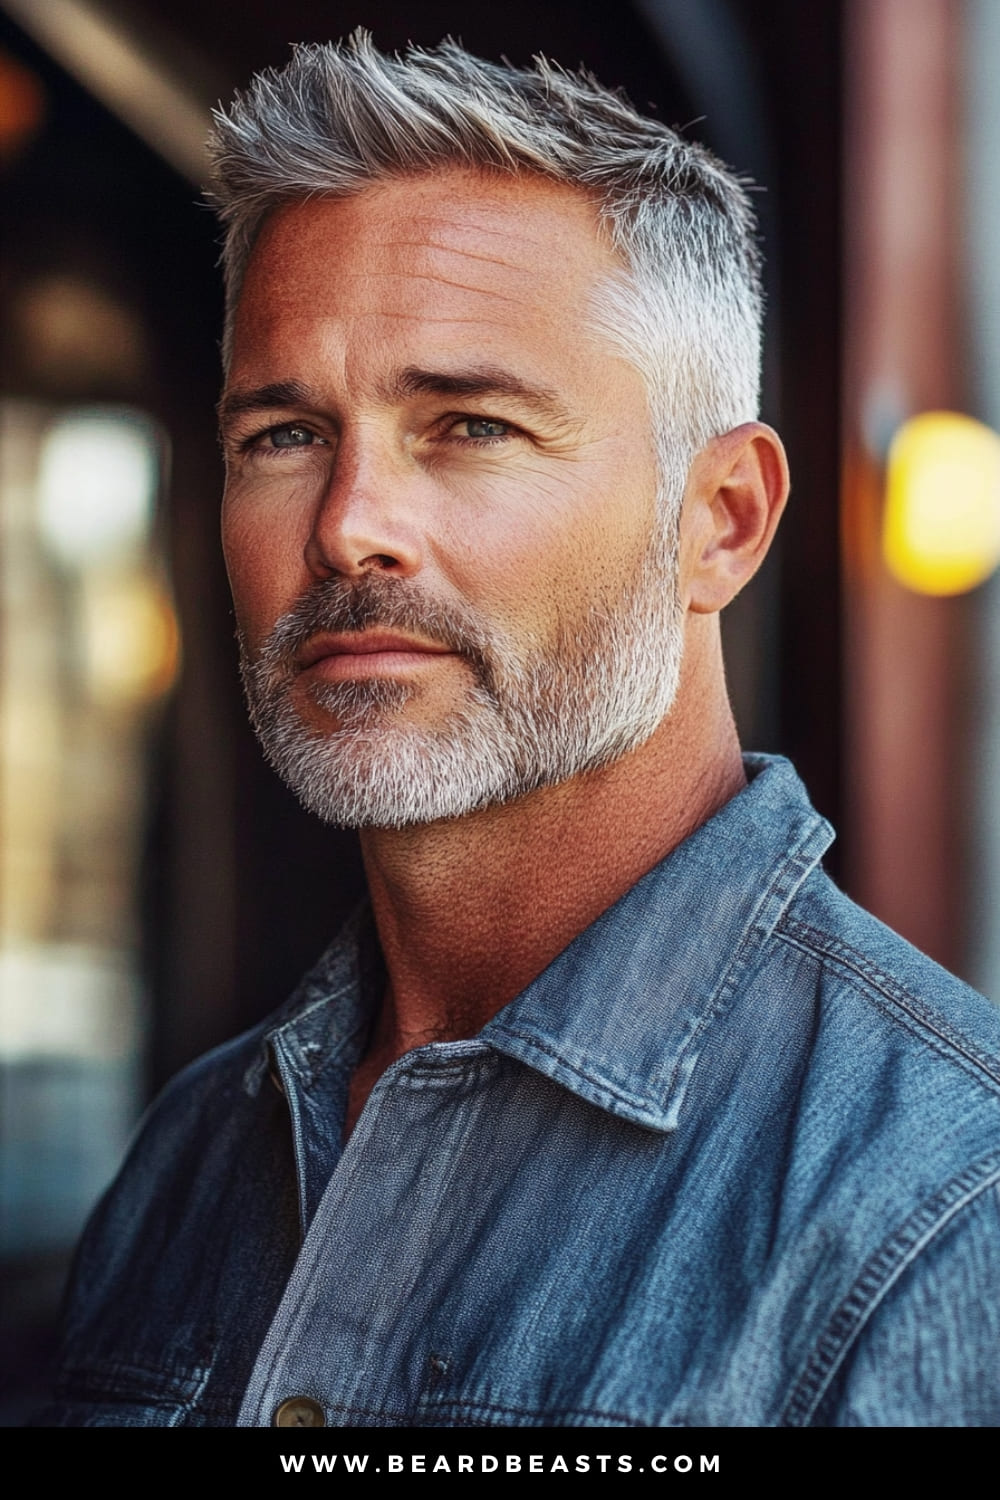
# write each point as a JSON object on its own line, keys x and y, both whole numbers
{"x": 736, "y": 493}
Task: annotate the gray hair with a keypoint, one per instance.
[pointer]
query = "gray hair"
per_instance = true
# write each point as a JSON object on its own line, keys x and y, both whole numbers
{"x": 686, "y": 310}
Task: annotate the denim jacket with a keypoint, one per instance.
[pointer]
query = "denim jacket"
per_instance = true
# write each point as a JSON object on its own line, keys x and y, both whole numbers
{"x": 732, "y": 1159}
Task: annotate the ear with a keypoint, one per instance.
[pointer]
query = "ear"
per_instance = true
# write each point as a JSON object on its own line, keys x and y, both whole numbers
{"x": 735, "y": 494}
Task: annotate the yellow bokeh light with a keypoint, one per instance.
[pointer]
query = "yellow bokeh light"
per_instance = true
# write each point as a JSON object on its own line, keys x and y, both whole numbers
{"x": 131, "y": 639}
{"x": 941, "y": 532}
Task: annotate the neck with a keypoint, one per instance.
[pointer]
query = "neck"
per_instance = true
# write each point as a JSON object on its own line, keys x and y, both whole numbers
{"x": 470, "y": 910}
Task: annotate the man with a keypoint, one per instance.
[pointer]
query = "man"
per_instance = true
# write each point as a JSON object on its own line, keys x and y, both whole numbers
{"x": 610, "y": 1109}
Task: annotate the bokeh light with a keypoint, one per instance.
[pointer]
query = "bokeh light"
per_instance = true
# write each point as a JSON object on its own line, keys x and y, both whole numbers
{"x": 941, "y": 531}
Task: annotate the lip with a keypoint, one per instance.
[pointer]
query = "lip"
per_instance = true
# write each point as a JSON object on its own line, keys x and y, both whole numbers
{"x": 366, "y": 652}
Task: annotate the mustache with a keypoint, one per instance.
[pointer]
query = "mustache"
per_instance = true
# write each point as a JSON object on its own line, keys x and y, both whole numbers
{"x": 337, "y": 605}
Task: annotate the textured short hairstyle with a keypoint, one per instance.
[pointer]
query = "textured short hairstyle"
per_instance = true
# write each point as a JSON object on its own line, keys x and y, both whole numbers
{"x": 687, "y": 307}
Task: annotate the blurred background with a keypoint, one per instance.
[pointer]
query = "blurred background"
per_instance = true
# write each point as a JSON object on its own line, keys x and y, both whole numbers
{"x": 159, "y": 889}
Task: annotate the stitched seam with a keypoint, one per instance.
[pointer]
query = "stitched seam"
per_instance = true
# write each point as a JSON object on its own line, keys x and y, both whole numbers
{"x": 395, "y": 1418}
{"x": 307, "y": 1058}
{"x": 786, "y": 880}
{"x": 877, "y": 1277}
{"x": 930, "y": 1027}
{"x": 457, "y": 1407}
{"x": 83, "y": 1382}
{"x": 633, "y": 1101}
{"x": 422, "y": 1074}
{"x": 299, "y": 1145}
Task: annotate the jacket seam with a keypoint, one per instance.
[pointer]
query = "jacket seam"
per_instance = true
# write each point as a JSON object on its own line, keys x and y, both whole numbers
{"x": 786, "y": 881}
{"x": 875, "y": 982}
{"x": 307, "y": 1057}
{"x": 455, "y": 1406}
{"x": 611, "y": 1091}
{"x": 781, "y": 886}
{"x": 115, "y": 1381}
{"x": 876, "y": 1279}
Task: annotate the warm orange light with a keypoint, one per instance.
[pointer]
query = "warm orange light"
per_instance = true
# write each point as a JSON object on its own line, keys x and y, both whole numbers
{"x": 22, "y": 105}
{"x": 941, "y": 531}
{"x": 131, "y": 638}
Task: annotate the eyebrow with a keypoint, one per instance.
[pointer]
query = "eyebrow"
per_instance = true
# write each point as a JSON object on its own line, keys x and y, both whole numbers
{"x": 481, "y": 380}
{"x": 263, "y": 398}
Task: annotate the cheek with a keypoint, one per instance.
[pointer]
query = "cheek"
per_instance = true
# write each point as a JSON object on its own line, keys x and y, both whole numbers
{"x": 264, "y": 560}
{"x": 548, "y": 551}
{"x": 507, "y": 543}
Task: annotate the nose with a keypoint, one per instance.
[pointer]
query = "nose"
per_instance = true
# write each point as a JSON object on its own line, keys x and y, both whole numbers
{"x": 366, "y": 519}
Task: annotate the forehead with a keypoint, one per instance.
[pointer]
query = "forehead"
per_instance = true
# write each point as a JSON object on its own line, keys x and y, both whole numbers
{"x": 466, "y": 257}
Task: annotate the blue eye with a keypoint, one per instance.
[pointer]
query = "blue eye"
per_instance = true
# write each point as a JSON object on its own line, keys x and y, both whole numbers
{"x": 291, "y": 437}
{"x": 481, "y": 427}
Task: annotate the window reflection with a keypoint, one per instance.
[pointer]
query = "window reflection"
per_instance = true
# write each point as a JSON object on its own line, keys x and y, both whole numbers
{"x": 88, "y": 646}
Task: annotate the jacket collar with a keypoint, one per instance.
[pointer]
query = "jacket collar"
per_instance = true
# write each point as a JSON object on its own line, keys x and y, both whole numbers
{"x": 620, "y": 1016}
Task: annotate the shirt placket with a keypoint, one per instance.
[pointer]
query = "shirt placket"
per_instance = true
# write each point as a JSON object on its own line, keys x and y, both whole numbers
{"x": 355, "y": 1286}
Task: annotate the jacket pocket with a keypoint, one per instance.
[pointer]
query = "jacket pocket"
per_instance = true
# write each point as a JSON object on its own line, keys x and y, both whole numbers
{"x": 125, "y": 1395}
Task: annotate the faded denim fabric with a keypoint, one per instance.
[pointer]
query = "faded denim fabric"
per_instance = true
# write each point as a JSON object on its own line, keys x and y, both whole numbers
{"x": 732, "y": 1159}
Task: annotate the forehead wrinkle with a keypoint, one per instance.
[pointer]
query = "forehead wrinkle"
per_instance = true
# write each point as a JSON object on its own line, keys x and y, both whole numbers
{"x": 458, "y": 286}
{"x": 483, "y": 223}
{"x": 431, "y": 241}
{"x": 430, "y": 250}
{"x": 441, "y": 249}
{"x": 449, "y": 247}
{"x": 485, "y": 209}
{"x": 442, "y": 321}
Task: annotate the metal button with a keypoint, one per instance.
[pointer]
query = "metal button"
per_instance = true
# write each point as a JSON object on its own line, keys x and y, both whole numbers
{"x": 299, "y": 1411}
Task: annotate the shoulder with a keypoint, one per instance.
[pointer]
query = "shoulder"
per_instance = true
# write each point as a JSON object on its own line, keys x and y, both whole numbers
{"x": 197, "y": 1233}
{"x": 926, "y": 1355}
{"x": 214, "y": 1106}
{"x": 194, "y": 1155}
{"x": 872, "y": 978}
{"x": 905, "y": 1057}
{"x": 204, "y": 1109}
{"x": 899, "y": 1117}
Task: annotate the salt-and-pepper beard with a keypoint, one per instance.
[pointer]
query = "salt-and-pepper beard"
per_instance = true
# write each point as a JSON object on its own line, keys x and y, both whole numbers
{"x": 592, "y": 694}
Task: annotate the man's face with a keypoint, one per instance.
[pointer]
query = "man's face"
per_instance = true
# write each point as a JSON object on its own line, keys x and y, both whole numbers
{"x": 440, "y": 519}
